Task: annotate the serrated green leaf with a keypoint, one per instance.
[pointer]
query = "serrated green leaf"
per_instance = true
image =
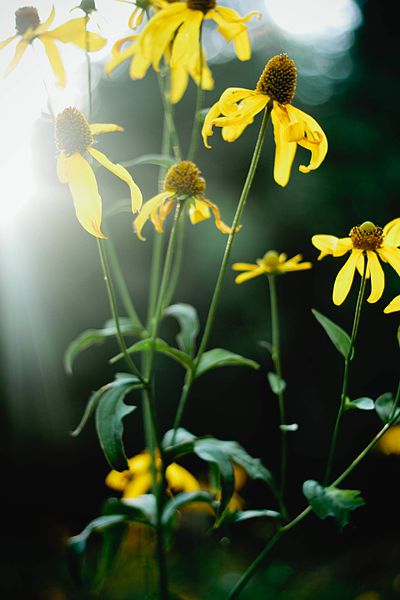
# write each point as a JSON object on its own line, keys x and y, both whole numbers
{"x": 277, "y": 384}
{"x": 218, "y": 357}
{"x": 182, "y": 499}
{"x": 91, "y": 337}
{"x": 339, "y": 338}
{"x": 188, "y": 320}
{"x": 253, "y": 514}
{"x": 363, "y": 403}
{"x": 289, "y": 427}
{"x": 110, "y": 413}
{"x": 160, "y": 160}
{"x": 384, "y": 406}
{"x": 331, "y": 501}
{"x": 161, "y": 346}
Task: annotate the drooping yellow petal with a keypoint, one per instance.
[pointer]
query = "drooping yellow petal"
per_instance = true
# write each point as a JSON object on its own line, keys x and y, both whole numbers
{"x": 186, "y": 43}
{"x": 393, "y": 306}
{"x": 249, "y": 274}
{"x": 179, "y": 479}
{"x": 377, "y": 277}
{"x": 147, "y": 208}
{"x": 77, "y": 172}
{"x": 228, "y": 102}
{"x": 390, "y": 255}
{"x": 44, "y": 27}
{"x": 391, "y": 233}
{"x": 284, "y": 150}
{"x": 360, "y": 267}
{"x": 97, "y": 128}
{"x": 207, "y": 81}
{"x": 74, "y": 32}
{"x": 233, "y": 132}
{"x": 7, "y": 41}
{"x": 139, "y": 66}
{"x": 315, "y": 139}
{"x": 55, "y": 60}
{"x": 179, "y": 83}
{"x": 120, "y": 171}
{"x": 207, "y": 129}
{"x": 19, "y": 51}
{"x": 330, "y": 244}
{"x": 345, "y": 277}
{"x": 199, "y": 211}
{"x": 223, "y": 227}
{"x": 245, "y": 113}
{"x": 231, "y": 26}
{"x": 157, "y": 35}
{"x": 119, "y": 57}
{"x": 138, "y": 485}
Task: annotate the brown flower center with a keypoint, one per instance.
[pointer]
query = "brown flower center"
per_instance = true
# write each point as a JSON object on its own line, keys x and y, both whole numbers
{"x": 26, "y": 18}
{"x": 278, "y": 80}
{"x": 185, "y": 178}
{"x": 72, "y": 133}
{"x": 366, "y": 236}
{"x": 203, "y": 5}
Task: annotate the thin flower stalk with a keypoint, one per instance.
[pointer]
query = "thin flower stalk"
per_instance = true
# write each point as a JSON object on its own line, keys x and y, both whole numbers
{"x": 194, "y": 139}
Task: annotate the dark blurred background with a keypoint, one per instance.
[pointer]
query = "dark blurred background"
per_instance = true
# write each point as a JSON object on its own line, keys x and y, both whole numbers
{"x": 52, "y": 289}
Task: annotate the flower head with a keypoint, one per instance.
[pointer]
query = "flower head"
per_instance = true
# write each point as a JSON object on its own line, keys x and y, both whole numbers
{"x": 74, "y": 138}
{"x": 237, "y": 107}
{"x": 367, "y": 243}
{"x": 137, "y": 480}
{"x": 185, "y": 183}
{"x": 29, "y": 28}
{"x": 271, "y": 263}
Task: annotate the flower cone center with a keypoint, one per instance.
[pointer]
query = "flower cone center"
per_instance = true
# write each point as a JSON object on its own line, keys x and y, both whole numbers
{"x": 26, "y": 18}
{"x": 366, "y": 236}
{"x": 278, "y": 80}
{"x": 203, "y": 5}
{"x": 270, "y": 260}
{"x": 73, "y": 133}
{"x": 185, "y": 178}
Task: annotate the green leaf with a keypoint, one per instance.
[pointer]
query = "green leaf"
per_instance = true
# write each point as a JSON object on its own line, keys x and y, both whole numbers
{"x": 289, "y": 427}
{"x": 331, "y": 501}
{"x": 337, "y": 335}
{"x": 142, "y": 509}
{"x": 160, "y": 160}
{"x": 277, "y": 384}
{"x": 188, "y": 320}
{"x": 398, "y": 335}
{"x": 110, "y": 413}
{"x": 218, "y": 357}
{"x": 182, "y": 499}
{"x": 96, "y": 336}
{"x": 384, "y": 406}
{"x": 182, "y": 436}
{"x": 161, "y": 346}
{"x": 359, "y": 403}
{"x": 253, "y": 514}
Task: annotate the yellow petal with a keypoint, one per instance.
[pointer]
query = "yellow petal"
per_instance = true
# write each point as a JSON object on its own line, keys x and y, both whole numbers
{"x": 230, "y": 98}
{"x": 179, "y": 82}
{"x": 390, "y": 442}
{"x": 232, "y": 133}
{"x": 138, "y": 485}
{"x": 360, "y": 267}
{"x": 199, "y": 211}
{"x": 55, "y": 60}
{"x": 329, "y": 244}
{"x": 243, "y": 266}
{"x": 285, "y": 151}
{"x": 155, "y": 37}
{"x": 97, "y": 128}
{"x": 289, "y": 266}
{"x": 186, "y": 43}
{"x": 43, "y": 27}
{"x": 139, "y": 66}
{"x": 147, "y": 208}
{"x": 77, "y": 172}
{"x": 249, "y": 275}
{"x": 231, "y": 26}
{"x": 391, "y": 233}
{"x": 393, "y": 306}
{"x": 180, "y": 480}
{"x": 245, "y": 113}
{"x": 207, "y": 129}
{"x": 345, "y": 277}
{"x": 207, "y": 81}
{"x": 120, "y": 171}
{"x": 119, "y": 57}
{"x": 392, "y": 256}
{"x": 223, "y": 227}
{"x": 117, "y": 480}
{"x": 315, "y": 139}
{"x": 140, "y": 463}
{"x": 19, "y": 51}
{"x": 7, "y": 41}
{"x": 377, "y": 277}
{"x": 74, "y": 32}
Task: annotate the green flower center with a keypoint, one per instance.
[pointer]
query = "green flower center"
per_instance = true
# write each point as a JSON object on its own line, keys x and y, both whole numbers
{"x": 203, "y": 5}
{"x": 278, "y": 80}
{"x": 72, "y": 132}
{"x": 366, "y": 236}
{"x": 270, "y": 260}
{"x": 26, "y": 18}
{"x": 185, "y": 179}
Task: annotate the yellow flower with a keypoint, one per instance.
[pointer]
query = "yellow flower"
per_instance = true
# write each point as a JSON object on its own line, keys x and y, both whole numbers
{"x": 365, "y": 242}
{"x": 390, "y": 442}
{"x": 393, "y": 306}
{"x": 271, "y": 263}
{"x": 292, "y": 127}
{"x": 138, "y": 479}
{"x": 29, "y": 28}
{"x": 183, "y": 181}
{"x": 74, "y": 137}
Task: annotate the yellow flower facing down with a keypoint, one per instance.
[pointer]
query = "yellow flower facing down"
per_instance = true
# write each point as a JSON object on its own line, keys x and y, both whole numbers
{"x": 237, "y": 107}
{"x": 366, "y": 242}
{"x": 390, "y": 442}
{"x": 138, "y": 479}
{"x": 29, "y": 28}
{"x": 271, "y": 263}
{"x": 75, "y": 138}
{"x": 183, "y": 181}
{"x": 393, "y": 306}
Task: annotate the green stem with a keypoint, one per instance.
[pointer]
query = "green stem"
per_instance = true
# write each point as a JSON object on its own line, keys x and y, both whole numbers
{"x": 89, "y": 70}
{"x": 224, "y": 264}
{"x": 199, "y": 101}
{"x": 349, "y": 357}
{"x": 248, "y": 574}
{"x": 278, "y": 370}
{"x": 169, "y": 116}
{"x": 177, "y": 261}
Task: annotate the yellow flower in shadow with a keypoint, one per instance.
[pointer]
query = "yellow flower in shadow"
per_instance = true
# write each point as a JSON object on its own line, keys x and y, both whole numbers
{"x": 271, "y": 263}
{"x": 366, "y": 242}
{"x": 393, "y": 306}
{"x": 390, "y": 441}
{"x": 237, "y": 107}
{"x": 29, "y": 28}
{"x": 74, "y": 138}
{"x": 137, "y": 480}
{"x": 184, "y": 182}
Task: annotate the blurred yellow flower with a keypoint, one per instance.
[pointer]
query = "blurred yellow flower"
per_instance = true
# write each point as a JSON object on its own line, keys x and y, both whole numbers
{"x": 271, "y": 263}
{"x": 29, "y": 28}
{"x": 365, "y": 242}
{"x": 74, "y": 137}
{"x": 138, "y": 479}
{"x": 393, "y": 306}
{"x": 390, "y": 441}
{"x": 292, "y": 127}
{"x": 183, "y": 181}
